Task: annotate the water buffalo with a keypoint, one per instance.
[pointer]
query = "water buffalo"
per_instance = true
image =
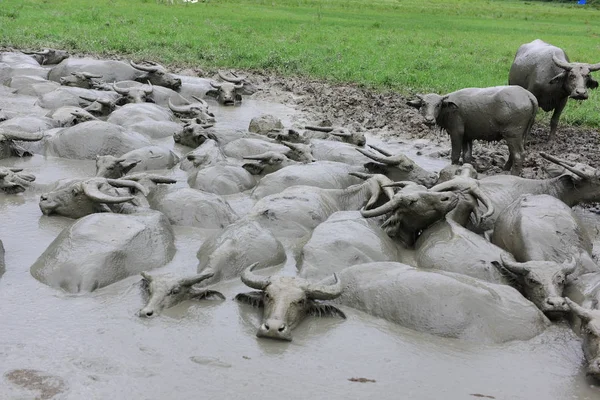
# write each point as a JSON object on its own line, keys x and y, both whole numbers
{"x": 227, "y": 92}
{"x": 82, "y": 197}
{"x": 198, "y": 110}
{"x": 166, "y": 291}
{"x": 548, "y": 244}
{"x": 146, "y": 118}
{"x": 545, "y": 71}
{"x": 579, "y": 184}
{"x": 84, "y": 80}
{"x": 101, "y": 249}
{"x": 590, "y": 320}
{"x": 49, "y": 56}
{"x": 157, "y": 75}
{"x": 13, "y": 181}
{"x": 68, "y": 116}
{"x": 267, "y": 163}
{"x": 287, "y": 301}
{"x": 493, "y": 113}
{"x": 143, "y": 159}
{"x": 134, "y": 94}
{"x": 441, "y": 303}
{"x": 8, "y": 147}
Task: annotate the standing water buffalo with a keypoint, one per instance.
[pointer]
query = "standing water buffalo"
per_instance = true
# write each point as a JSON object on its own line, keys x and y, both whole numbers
{"x": 546, "y": 72}
{"x": 494, "y": 113}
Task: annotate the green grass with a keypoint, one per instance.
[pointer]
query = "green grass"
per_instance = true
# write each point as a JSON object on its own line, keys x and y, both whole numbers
{"x": 402, "y": 45}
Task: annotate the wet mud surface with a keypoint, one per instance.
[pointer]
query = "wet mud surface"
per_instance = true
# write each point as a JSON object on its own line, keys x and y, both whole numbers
{"x": 55, "y": 345}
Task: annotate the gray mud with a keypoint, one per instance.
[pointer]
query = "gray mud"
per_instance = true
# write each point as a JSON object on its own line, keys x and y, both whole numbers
{"x": 55, "y": 345}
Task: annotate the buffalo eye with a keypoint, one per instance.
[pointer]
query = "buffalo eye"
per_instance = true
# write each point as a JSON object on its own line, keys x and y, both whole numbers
{"x": 532, "y": 282}
{"x": 267, "y": 295}
{"x": 175, "y": 290}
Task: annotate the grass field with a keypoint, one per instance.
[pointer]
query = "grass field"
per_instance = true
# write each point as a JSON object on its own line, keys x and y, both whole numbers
{"x": 403, "y": 45}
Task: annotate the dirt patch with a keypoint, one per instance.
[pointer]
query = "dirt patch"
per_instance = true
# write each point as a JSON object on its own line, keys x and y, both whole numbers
{"x": 47, "y": 386}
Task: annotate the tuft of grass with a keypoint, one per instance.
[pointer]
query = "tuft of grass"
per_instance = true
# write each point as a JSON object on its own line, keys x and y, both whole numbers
{"x": 402, "y": 45}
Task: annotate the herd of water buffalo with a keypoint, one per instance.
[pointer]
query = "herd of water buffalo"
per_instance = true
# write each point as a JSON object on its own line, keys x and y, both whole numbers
{"x": 488, "y": 259}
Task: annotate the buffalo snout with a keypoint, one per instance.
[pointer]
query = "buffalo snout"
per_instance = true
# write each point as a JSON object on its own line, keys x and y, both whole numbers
{"x": 275, "y": 329}
{"x": 580, "y": 94}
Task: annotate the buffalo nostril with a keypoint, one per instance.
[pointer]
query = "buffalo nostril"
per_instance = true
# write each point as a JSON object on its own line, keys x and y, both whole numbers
{"x": 282, "y": 328}
{"x": 266, "y": 327}
{"x": 149, "y": 313}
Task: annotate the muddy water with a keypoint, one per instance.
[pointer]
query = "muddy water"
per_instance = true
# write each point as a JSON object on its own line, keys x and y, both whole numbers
{"x": 93, "y": 346}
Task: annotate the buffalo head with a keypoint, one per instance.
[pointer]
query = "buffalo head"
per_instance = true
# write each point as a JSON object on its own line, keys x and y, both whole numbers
{"x": 287, "y": 300}
{"x": 12, "y": 181}
{"x": 341, "y": 134}
{"x": 80, "y": 198}
{"x": 114, "y": 167}
{"x": 99, "y": 107}
{"x": 590, "y": 323}
{"x": 430, "y": 106}
{"x": 266, "y": 163}
{"x": 83, "y": 80}
{"x": 8, "y": 147}
{"x": 157, "y": 75}
{"x": 575, "y": 77}
{"x": 194, "y": 133}
{"x": 49, "y": 56}
{"x": 227, "y": 92}
{"x": 136, "y": 94}
{"x": 164, "y": 291}
{"x": 397, "y": 167}
{"x": 543, "y": 282}
{"x": 197, "y": 110}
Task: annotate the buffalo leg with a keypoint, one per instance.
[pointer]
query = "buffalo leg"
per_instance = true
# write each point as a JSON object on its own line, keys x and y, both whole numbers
{"x": 555, "y": 116}
{"x": 467, "y": 151}
{"x": 456, "y": 138}
{"x": 515, "y": 158}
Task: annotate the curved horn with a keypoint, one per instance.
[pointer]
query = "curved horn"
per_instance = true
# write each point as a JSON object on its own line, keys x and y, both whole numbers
{"x": 216, "y": 85}
{"x": 146, "y": 90}
{"x": 402, "y": 184}
{"x": 92, "y": 99}
{"x": 91, "y": 188}
{"x": 594, "y": 67}
{"x": 238, "y": 85}
{"x": 324, "y": 291}
{"x": 583, "y": 313}
{"x": 146, "y": 276}
{"x": 569, "y": 267}
{"x": 319, "y": 128}
{"x": 513, "y": 266}
{"x": 259, "y": 157}
{"x": 361, "y": 175}
{"x": 179, "y": 109}
{"x": 562, "y": 63}
{"x": 121, "y": 91}
{"x": 89, "y": 75}
{"x": 128, "y": 184}
{"x": 207, "y": 273}
{"x": 254, "y": 281}
{"x": 143, "y": 67}
{"x": 104, "y": 102}
{"x": 42, "y": 53}
{"x": 566, "y": 164}
{"x": 293, "y": 146}
{"x": 390, "y": 206}
{"x": 23, "y": 136}
{"x": 375, "y": 157}
{"x": 380, "y": 150}
{"x": 341, "y": 133}
{"x": 16, "y": 169}
{"x": 199, "y": 100}
{"x": 229, "y": 78}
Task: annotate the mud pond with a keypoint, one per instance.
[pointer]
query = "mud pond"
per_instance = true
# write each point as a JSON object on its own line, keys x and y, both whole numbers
{"x": 94, "y": 346}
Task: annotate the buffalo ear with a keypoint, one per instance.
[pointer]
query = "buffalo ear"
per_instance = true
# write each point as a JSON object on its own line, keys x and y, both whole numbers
{"x": 324, "y": 310}
{"x": 238, "y": 97}
{"x": 415, "y": 103}
{"x": 212, "y": 93}
{"x": 591, "y": 83}
{"x": 255, "y": 299}
{"x": 449, "y": 104}
{"x": 558, "y": 78}
{"x": 208, "y": 294}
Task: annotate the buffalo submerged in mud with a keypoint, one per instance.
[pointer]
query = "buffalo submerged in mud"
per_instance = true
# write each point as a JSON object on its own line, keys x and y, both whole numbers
{"x": 126, "y": 169}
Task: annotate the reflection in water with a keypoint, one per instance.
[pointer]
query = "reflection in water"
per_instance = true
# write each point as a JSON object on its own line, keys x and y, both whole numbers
{"x": 94, "y": 345}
